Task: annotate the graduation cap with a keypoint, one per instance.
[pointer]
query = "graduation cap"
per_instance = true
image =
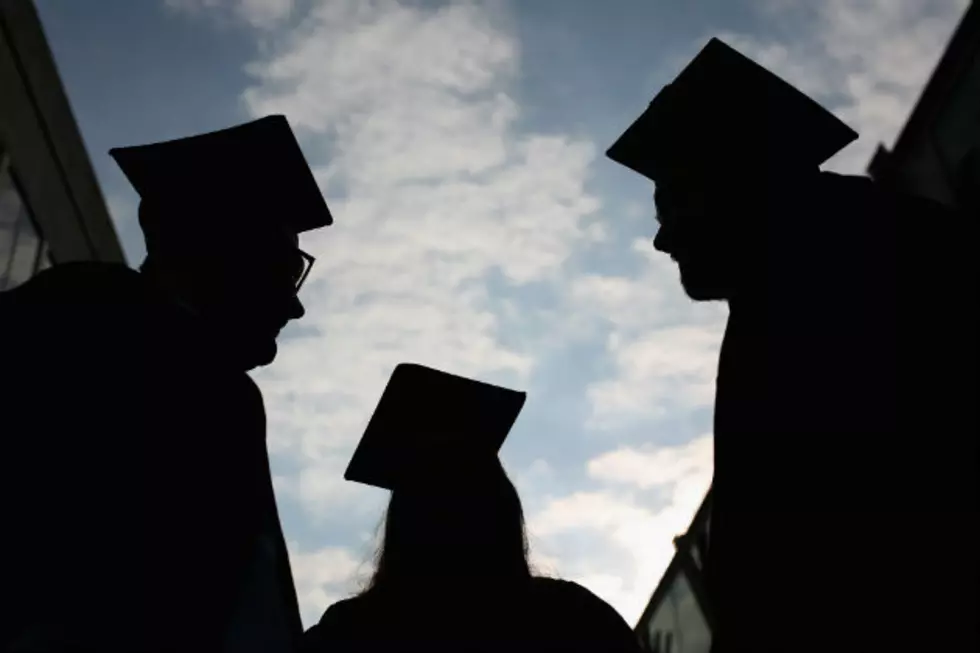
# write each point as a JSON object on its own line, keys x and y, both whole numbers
{"x": 430, "y": 424}
{"x": 252, "y": 171}
{"x": 720, "y": 105}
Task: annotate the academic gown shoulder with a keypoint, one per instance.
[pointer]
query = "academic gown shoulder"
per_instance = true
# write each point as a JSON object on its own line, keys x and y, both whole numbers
{"x": 136, "y": 478}
{"x": 550, "y": 615}
{"x": 845, "y": 500}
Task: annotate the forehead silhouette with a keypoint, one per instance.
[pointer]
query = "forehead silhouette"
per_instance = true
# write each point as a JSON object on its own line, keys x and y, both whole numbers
{"x": 432, "y": 426}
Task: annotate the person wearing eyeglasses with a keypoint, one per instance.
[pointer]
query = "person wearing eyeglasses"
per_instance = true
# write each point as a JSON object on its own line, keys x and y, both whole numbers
{"x": 138, "y": 501}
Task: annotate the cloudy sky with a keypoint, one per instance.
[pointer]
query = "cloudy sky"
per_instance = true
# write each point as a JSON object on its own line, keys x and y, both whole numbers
{"x": 480, "y": 230}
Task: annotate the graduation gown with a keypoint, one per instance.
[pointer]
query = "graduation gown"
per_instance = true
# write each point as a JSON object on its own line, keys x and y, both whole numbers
{"x": 544, "y": 615}
{"x": 845, "y": 500}
{"x": 136, "y": 486}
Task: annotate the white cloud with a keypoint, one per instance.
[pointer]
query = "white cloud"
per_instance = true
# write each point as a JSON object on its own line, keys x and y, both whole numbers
{"x": 264, "y": 13}
{"x": 666, "y": 371}
{"x": 650, "y": 466}
{"x": 637, "y": 211}
{"x": 638, "y": 539}
{"x": 407, "y": 113}
{"x": 192, "y": 5}
{"x": 256, "y": 13}
{"x": 867, "y": 60}
{"x": 324, "y": 577}
{"x": 406, "y": 110}
{"x": 663, "y": 348}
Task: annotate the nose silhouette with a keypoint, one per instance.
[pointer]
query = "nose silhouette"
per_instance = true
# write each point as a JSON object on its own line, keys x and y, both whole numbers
{"x": 661, "y": 241}
{"x": 295, "y": 310}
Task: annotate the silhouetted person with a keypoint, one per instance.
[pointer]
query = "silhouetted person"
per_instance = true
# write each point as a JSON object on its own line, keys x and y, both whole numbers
{"x": 452, "y": 573}
{"x": 844, "y": 496}
{"x": 138, "y": 506}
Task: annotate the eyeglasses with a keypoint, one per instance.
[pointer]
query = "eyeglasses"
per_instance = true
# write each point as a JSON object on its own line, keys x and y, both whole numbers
{"x": 308, "y": 262}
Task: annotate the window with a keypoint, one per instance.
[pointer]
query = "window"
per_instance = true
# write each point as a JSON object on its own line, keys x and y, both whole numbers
{"x": 23, "y": 253}
{"x": 677, "y": 624}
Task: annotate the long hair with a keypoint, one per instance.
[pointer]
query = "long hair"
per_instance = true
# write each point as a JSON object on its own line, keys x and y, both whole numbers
{"x": 466, "y": 524}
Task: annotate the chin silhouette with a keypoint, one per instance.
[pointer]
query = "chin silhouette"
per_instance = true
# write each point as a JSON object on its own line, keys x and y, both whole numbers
{"x": 703, "y": 284}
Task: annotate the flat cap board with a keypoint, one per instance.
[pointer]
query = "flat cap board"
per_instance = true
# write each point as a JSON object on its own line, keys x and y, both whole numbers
{"x": 255, "y": 171}
{"x": 429, "y": 422}
{"x": 724, "y": 105}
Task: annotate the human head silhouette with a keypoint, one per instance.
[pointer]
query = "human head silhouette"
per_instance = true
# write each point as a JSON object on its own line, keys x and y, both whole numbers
{"x": 453, "y": 515}
{"x": 464, "y": 525}
{"x": 221, "y": 213}
{"x": 723, "y": 143}
{"x": 242, "y": 285}
{"x": 717, "y": 224}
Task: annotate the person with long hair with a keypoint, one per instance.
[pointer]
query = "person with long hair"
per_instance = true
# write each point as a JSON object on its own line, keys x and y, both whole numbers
{"x": 452, "y": 571}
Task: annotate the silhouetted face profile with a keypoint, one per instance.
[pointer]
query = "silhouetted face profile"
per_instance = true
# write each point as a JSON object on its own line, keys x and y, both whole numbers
{"x": 723, "y": 225}
{"x": 241, "y": 283}
{"x": 221, "y": 213}
{"x": 259, "y": 297}
{"x": 716, "y": 140}
{"x": 696, "y": 229}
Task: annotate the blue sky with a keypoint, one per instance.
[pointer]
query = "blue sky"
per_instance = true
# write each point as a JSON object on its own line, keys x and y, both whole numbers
{"x": 479, "y": 228}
